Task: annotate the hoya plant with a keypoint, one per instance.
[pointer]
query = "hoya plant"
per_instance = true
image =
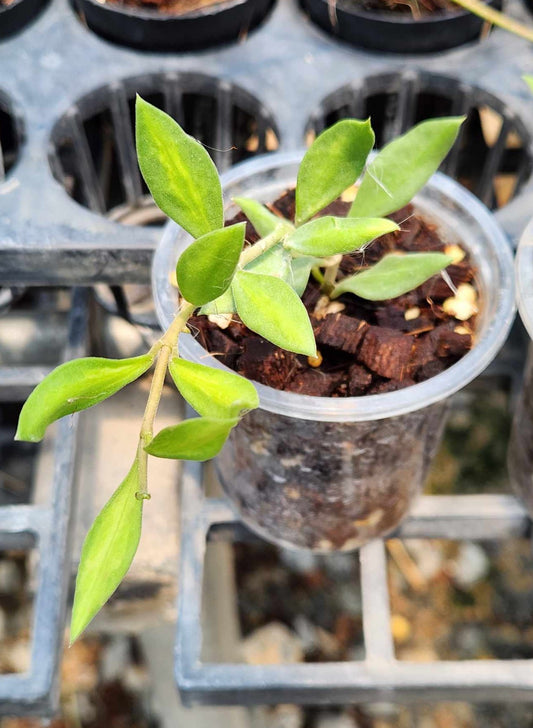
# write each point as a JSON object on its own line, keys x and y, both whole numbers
{"x": 262, "y": 283}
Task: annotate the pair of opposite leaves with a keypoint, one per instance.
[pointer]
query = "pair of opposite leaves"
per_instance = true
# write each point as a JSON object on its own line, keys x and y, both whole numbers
{"x": 219, "y": 397}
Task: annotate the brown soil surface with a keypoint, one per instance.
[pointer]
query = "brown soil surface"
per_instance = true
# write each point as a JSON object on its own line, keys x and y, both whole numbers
{"x": 173, "y": 7}
{"x": 367, "y": 347}
{"x": 417, "y": 8}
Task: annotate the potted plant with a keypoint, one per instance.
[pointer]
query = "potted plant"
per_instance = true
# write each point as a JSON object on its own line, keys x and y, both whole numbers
{"x": 410, "y": 27}
{"x": 173, "y": 25}
{"x": 393, "y": 434}
{"x": 360, "y": 460}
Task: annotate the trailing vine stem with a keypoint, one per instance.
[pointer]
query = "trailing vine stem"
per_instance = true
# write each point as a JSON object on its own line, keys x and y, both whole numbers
{"x": 164, "y": 348}
{"x": 163, "y": 351}
{"x": 261, "y": 246}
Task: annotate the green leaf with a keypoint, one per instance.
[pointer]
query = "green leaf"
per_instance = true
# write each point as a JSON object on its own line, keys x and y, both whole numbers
{"x": 264, "y": 221}
{"x": 393, "y": 276}
{"x": 529, "y": 80}
{"x": 301, "y": 270}
{"x": 271, "y": 308}
{"x": 332, "y": 163}
{"x": 74, "y": 386}
{"x": 199, "y": 439}
{"x": 274, "y": 262}
{"x": 212, "y": 392}
{"x": 222, "y": 304}
{"x": 404, "y": 166}
{"x": 205, "y": 269}
{"x": 334, "y": 235}
{"x": 179, "y": 172}
{"x": 107, "y": 552}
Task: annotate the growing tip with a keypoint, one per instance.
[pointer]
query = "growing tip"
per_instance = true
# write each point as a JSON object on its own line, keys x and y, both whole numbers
{"x": 77, "y": 625}
{"x": 74, "y": 634}
{"x": 21, "y": 436}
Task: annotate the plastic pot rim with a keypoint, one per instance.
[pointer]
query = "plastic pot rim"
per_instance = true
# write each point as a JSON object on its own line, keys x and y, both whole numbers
{"x": 389, "y": 32}
{"x": 399, "y": 18}
{"x": 366, "y": 407}
{"x": 11, "y": 6}
{"x": 524, "y": 277}
{"x": 158, "y": 15}
{"x": 24, "y": 12}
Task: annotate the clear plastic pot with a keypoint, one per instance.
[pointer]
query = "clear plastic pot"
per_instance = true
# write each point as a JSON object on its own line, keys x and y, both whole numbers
{"x": 332, "y": 473}
{"x": 520, "y": 455}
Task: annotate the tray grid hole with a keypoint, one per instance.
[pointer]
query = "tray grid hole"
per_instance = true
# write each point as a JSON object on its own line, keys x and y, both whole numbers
{"x": 93, "y": 149}
{"x": 18, "y": 568}
{"x": 10, "y": 137}
{"x": 493, "y": 155}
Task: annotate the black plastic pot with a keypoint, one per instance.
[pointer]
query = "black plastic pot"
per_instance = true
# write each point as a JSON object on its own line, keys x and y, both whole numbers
{"x": 395, "y": 32}
{"x": 15, "y": 16}
{"x": 155, "y": 30}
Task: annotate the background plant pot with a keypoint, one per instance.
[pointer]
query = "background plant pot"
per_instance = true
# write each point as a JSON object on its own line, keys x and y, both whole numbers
{"x": 154, "y": 30}
{"x": 331, "y": 473}
{"x": 396, "y": 32}
{"x": 15, "y": 16}
{"x": 520, "y": 455}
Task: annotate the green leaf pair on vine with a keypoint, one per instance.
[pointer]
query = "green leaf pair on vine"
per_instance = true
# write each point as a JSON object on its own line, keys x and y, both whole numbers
{"x": 262, "y": 283}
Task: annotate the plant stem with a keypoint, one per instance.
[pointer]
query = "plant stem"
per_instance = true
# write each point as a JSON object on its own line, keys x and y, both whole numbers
{"x": 163, "y": 350}
{"x": 317, "y": 274}
{"x": 166, "y": 344}
{"x": 485, "y": 12}
{"x": 269, "y": 241}
{"x": 330, "y": 275}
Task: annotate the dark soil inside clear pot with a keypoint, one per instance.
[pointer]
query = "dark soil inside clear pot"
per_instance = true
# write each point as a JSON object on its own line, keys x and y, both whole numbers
{"x": 365, "y": 347}
{"x": 328, "y": 486}
{"x": 332, "y": 472}
{"x": 335, "y": 485}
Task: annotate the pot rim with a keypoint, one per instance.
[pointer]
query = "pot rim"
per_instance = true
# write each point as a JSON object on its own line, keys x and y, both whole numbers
{"x": 397, "y": 18}
{"x": 524, "y": 275}
{"x": 16, "y": 16}
{"x": 7, "y": 8}
{"x": 373, "y": 406}
{"x": 156, "y": 15}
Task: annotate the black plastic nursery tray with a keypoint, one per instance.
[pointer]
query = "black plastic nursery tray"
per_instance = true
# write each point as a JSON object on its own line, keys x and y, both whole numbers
{"x": 74, "y": 211}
